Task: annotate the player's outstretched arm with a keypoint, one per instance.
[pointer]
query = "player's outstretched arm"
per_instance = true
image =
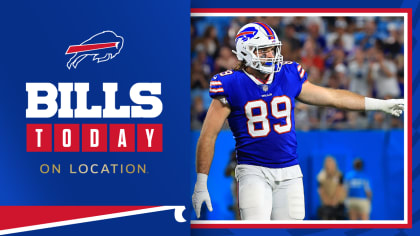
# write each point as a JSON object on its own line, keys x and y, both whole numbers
{"x": 343, "y": 99}
{"x": 213, "y": 123}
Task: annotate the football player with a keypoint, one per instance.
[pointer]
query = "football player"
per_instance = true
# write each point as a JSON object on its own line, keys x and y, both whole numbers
{"x": 258, "y": 99}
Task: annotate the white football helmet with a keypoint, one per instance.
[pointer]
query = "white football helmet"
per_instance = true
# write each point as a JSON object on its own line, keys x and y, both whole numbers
{"x": 253, "y": 38}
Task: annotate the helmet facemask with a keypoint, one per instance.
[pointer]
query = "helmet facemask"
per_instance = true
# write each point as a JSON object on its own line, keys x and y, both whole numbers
{"x": 260, "y": 62}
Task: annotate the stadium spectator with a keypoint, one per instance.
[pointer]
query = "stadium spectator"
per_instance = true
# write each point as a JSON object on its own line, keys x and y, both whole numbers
{"x": 226, "y": 60}
{"x": 355, "y": 121}
{"x": 314, "y": 27}
{"x": 210, "y": 41}
{"x": 291, "y": 43}
{"x": 383, "y": 72}
{"x": 340, "y": 37}
{"x": 359, "y": 194}
{"x": 358, "y": 72}
{"x": 302, "y": 116}
{"x": 380, "y": 121}
{"x": 198, "y": 77}
{"x": 367, "y": 38}
{"x": 391, "y": 43}
{"x": 310, "y": 58}
{"x": 331, "y": 191}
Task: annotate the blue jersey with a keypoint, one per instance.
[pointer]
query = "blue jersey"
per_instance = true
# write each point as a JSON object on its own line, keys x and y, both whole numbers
{"x": 262, "y": 114}
{"x": 357, "y": 184}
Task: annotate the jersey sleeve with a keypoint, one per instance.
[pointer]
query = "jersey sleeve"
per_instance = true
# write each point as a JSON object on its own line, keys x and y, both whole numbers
{"x": 300, "y": 76}
{"x": 303, "y": 76}
{"x": 216, "y": 87}
{"x": 219, "y": 85}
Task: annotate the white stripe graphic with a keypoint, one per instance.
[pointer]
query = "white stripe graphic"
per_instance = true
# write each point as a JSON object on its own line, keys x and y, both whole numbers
{"x": 218, "y": 90}
{"x": 215, "y": 83}
{"x": 302, "y": 73}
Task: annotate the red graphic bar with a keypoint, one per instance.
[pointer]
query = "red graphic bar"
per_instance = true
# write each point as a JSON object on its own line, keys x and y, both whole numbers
{"x": 20, "y": 216}
{"x": 89, "y": 47}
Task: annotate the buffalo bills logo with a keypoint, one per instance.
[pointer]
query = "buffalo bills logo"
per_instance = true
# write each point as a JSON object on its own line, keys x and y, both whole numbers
{"x": 247, "y": 33}
{"x": 101, "y": 47}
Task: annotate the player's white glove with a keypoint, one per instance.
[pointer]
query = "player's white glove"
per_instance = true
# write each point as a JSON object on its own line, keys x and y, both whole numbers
{"x": 394, "y": 107}
{"x": 201, "y": 194}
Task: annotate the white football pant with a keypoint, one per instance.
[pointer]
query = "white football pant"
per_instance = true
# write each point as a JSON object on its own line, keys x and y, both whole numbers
{"x": 270, "y": 194}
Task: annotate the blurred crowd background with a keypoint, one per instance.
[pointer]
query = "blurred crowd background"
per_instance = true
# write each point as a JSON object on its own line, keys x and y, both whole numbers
{"x": 361, "y": 54}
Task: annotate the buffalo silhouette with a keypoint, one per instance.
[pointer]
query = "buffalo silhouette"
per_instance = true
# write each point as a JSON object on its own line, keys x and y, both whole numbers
{"x": 101, "y": 46}
{"x": 246, "y": 34}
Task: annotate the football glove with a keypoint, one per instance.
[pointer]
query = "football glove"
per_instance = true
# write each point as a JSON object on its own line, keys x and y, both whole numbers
{"x": 201, "y": 194}
{"x": 394, "y": 107}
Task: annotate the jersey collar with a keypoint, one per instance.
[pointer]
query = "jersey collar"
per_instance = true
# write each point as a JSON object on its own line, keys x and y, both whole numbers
{"x": 259, "y": 82}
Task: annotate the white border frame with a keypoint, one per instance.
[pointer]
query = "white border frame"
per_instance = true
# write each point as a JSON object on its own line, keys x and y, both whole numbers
{"x": 406, "y": 114}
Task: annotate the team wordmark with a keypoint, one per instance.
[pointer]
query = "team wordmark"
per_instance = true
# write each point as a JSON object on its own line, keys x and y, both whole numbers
{"x": 49, "y": 105}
